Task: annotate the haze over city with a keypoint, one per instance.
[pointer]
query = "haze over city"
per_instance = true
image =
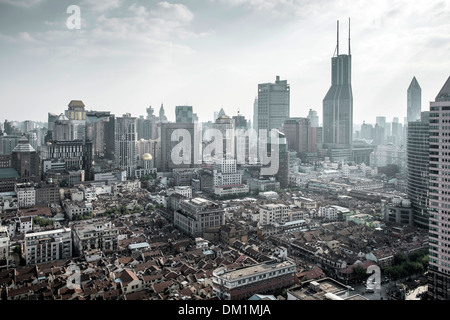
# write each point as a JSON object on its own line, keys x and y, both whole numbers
{"x": 211, "y": 54}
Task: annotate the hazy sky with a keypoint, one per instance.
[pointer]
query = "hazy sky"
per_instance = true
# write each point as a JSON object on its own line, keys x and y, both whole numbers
{"x": 210, "y": 54}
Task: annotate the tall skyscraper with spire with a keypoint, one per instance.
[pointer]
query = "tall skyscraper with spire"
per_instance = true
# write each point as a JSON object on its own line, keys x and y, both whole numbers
{"x": 414, "y": 106}
{"x": 338, "y": 105}
{"x": 439, "y": 199}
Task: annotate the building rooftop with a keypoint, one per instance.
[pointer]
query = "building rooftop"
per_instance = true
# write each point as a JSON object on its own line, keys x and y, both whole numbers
{"x": 444, "y": 94}
{"x": 320, "y": 289}
{"x": 8, "y": 173}
{"x": 256, "y": 269}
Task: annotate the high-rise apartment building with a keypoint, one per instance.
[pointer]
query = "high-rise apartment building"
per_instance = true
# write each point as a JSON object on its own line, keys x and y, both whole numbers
{"x": 439, "y": 197}
{"x": 273, "y": 104}
{"x": 125, "y": 143}
{"x": 338, "y": 103}
{"x": 417, "y": 157}
{"x": 414, "y": 101}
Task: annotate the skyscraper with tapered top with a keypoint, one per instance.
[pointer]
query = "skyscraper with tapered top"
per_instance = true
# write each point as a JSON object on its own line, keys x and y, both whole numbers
{"x": 414, "y": 107}
{"x": 439, "y": 196}
{"x": 338, "y": 106}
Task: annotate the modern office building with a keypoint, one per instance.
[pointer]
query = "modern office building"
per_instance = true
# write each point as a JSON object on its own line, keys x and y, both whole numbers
{"x": 439, "y": 206}
{"x": 418, "y": 157}
{"x": 177, "y": 146}
{"x": 67, "y": 155}
{"x": 298, "y": 135}
{"x": 273, "y": 105}
{"x": 8, "y": 143}
{"x": 414, "y": 101}
{"x": 125, "y": 137}
{"x": 183, "y": 114}
{"x": 98, "y": 123}
{"x": 338, "y": 104}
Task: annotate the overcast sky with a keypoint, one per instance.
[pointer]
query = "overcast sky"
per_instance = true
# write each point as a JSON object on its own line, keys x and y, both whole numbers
{"x": 130, "y": 54}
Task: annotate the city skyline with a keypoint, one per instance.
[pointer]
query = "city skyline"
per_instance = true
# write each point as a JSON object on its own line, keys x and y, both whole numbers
{"x": 129, "y": 55}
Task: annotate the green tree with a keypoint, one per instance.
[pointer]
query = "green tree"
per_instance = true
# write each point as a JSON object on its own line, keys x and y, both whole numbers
{"x": 359, "y": 271}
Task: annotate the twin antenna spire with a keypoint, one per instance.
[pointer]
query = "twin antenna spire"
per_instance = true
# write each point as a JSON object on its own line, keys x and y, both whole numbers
{"x": 337, "y": 45}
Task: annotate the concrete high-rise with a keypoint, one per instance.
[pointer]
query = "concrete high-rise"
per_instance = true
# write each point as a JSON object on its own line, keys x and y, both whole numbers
{"x": 183, "y": 114}
{"x": 338, "y": 103}
{"x": 26, "y": 161}
{"x": 439, "y": 206}
{"x": 414, "y": 103}
{"x": 298, "y": 135}
{"x": 273, "y": 105}
{"x": 418, "y": 156}
{"x": 177, "y": 141}
{"x": 125, "y": 137}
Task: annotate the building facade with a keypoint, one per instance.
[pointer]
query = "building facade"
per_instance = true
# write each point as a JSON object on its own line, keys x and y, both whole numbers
{"x": 48, "y": 246}
{"x": 98, "y": 235}
{"x": 418, "y": 157}
{"x": 273, "y": 104}
{"x": 125, "y": 137}
{"x": 414, "y": 101}
{"x": 197, "y": 214}
{"x": 439, "y": 206}
{"x": 338, "y": 103}
{"x": 260, "y": 278}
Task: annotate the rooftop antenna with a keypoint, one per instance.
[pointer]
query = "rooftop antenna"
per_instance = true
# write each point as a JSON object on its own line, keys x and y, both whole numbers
{"x": 337, "y": 45}
{"x": 349, "y": 52}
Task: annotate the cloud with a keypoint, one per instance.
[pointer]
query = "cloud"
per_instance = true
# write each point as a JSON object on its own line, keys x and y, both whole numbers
{"x": 100, "y": 6}
{"x": 23, "y": 3}
{"x": 172, "y": 12}
{"x": 158, "y": 32}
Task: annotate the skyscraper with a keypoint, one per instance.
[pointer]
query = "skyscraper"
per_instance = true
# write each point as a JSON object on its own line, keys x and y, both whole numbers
{"x": 414, "y": 96}
{"x": 338, "y": 103}
{"x": 273, "y": 104}
{"x": 183, "y": 114}
{"x": 314, "y": 118}
{"x": 418, "y": 156}
{"x": 26, "y": 161}
{"x": 125, "y": 137}
{"x": 298, "y": 135}
{"x": 439, "y": 206}
{"x": 170, "y": 141}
